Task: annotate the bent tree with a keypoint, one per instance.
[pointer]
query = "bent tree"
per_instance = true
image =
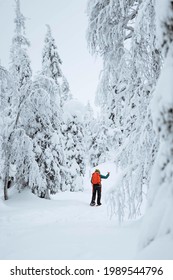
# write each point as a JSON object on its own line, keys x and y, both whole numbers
{"x": 160, "y": 198}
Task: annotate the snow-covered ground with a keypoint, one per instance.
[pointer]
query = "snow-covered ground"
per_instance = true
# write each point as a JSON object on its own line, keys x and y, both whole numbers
{"x": 66, "y": 227}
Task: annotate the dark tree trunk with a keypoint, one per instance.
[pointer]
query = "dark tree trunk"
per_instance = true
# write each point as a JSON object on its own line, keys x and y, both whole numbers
{"x": 6, "y": 183}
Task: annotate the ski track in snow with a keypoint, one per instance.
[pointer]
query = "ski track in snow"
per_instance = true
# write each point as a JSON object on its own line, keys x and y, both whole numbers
{"x": 65, "y": 227}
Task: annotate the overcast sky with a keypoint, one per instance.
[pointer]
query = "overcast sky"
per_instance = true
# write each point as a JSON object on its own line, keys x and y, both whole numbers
{"x": 68, "y": 21}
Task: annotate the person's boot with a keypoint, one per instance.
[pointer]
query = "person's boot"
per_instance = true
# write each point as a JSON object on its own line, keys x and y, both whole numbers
{"x": 92, "y": 203}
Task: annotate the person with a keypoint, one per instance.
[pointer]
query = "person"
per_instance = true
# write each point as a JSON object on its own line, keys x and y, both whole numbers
{"x": 96, "y": 186}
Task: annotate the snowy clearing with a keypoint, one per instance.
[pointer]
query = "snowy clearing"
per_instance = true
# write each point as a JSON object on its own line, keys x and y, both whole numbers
{"x": 66, "y": 227}
{"x": 63, "y": 228}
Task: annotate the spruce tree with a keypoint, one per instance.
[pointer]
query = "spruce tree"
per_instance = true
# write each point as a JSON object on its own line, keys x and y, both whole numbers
{"x": 74, "y": 152}
{"x": 20, "y": 68}
{"x": 50, "y": 58}
{"x": 51, "y": 66}
{"x": 98, "y": 149}
{"x": 7, "y": 90}
{"x": 41, "y": 121}
{"x": 89, "y": 122}
{"x": 20, "y": 71}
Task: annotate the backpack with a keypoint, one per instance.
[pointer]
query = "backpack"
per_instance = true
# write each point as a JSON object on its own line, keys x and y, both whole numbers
{"x": 96, "y": 179}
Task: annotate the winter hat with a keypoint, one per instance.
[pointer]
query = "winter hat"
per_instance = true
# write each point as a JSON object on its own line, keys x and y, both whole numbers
{"x": 97, "y": 170}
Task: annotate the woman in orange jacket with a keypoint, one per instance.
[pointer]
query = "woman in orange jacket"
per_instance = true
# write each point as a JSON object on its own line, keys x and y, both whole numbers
{"x": 96, "y": 183}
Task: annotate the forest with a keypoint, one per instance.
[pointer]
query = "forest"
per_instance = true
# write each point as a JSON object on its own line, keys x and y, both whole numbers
{"x": 49, "y": 141}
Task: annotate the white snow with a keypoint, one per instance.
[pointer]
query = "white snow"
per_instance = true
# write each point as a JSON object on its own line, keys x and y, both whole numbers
{"x": 66, "y": 227}
{"x": 162, "y": 11}
{"x": 161, "y": 249}
{"x": 162, "y": 101}
{"x": 74, "y": 108}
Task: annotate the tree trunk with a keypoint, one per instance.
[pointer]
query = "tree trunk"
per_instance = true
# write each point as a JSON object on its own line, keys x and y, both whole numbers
{"x": 6, "y": 182}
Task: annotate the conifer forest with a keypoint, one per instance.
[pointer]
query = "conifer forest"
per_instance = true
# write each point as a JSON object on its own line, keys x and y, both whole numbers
{"x": 51, "y": 143}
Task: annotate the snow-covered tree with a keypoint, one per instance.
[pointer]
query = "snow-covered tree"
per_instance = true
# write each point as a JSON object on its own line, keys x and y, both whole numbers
{"x": 6, "y": 92}
{"x": 20, "y": 80}
{"x": 51, "y": 66}
{"x": 98, "y": 149}
{"x": 65, "y": 91}
{"x": 50, "y": 58}
{"x": 41, "y": 121}
{"x": 20, "y": 68}
{"x": 89, "y": 121}
{"x": 138, "y": 141}
{"x": 6, "y": 112}
{"x": 126, "y": 87}
{"x": 109, "y": 26}
{"x": 158, "y": 219}
{"x": 75, "y": 150}
{"x": 14, "y": 89}
{"x": 13, "y": 139}
{"x": 32, "y": 140}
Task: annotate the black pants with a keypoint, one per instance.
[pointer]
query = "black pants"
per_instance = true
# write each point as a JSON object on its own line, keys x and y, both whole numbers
{"x": 96, "y": 190}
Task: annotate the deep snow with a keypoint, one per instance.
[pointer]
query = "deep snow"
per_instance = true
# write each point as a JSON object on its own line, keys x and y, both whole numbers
{"x": 66, "y": 227}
